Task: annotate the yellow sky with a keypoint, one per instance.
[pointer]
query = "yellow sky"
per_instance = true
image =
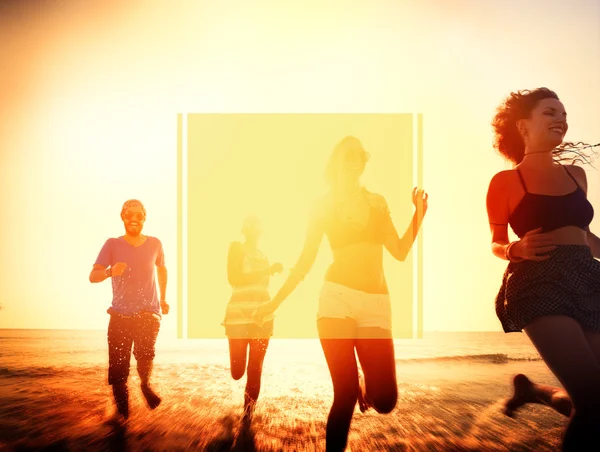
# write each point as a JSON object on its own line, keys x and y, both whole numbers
{"x": 91, "y": 96}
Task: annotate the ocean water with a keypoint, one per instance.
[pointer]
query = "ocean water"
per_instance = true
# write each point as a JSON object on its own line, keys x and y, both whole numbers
{"x": 46, "y": 353}
{"x": 53, "y": 391}
{"x": 82, "y": 348}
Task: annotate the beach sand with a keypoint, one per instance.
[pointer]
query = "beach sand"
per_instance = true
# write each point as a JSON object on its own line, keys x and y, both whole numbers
{"x": 451, "y": 404}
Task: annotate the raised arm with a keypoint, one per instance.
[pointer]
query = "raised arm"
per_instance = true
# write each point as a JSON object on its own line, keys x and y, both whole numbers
{"x": 399, "y": 247}
{"x": 235, "y": 269}
{"x": 99, "y": 273}
{"x": 593, "y": 241}
{"x": 101, "y": 269}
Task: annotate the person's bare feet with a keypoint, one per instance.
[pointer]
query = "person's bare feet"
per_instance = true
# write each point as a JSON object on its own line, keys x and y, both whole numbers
{"x": 363, "y": 403}
{"x": 523, "y": 394}
{"x": 121, "y": 396}
{"x": 248, "y": 414}
{"x": 152, "y": 399}
{"x": 117, "y": 420}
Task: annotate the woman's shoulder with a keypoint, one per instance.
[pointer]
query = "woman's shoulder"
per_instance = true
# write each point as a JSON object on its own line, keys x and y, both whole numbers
{"x": 575, "y": 170}
{"x": 375, "y": 199}
{"x": 505, "y": 178}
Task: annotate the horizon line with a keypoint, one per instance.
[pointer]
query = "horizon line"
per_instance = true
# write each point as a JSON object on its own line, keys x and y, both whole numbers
{"x": 104, "y": 329}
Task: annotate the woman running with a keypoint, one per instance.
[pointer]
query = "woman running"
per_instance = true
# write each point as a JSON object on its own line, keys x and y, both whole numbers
{"x": 551, "y": 287}
{"x": 354, "y": 311}
{"x": 248, "y": 272}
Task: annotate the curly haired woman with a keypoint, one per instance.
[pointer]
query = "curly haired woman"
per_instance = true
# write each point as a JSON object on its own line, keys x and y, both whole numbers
{"x": 551, "y": 287}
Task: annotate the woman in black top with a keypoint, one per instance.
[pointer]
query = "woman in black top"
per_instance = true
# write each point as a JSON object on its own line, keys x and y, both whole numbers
{"x": 551, "y": 287}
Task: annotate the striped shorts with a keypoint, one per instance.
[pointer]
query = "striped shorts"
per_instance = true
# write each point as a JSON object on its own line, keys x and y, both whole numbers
{"x": 568, "y": 284}
{"x": 239, "y": 322}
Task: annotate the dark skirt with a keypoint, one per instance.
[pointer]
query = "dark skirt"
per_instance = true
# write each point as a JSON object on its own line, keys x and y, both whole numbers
{"x": 568, "y": 284}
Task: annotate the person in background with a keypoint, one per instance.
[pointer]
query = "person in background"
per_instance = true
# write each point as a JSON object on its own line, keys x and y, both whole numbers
{"x": 248, "y": 273}
{"x": 131, "y": 262}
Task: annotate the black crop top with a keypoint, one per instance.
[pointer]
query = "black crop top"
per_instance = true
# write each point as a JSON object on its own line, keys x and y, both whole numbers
{"x": 341, "y": 234}
{"x": 551, "y": 212}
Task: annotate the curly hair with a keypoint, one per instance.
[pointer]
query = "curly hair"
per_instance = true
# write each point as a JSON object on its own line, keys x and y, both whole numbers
{"x": 507, "y": 139}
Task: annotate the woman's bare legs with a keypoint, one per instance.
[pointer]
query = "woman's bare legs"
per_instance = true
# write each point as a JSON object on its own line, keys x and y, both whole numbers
{"x": 337, "y": 341}
{"x": 376, "y": 354}
{"x": 525, "y": 391}
{"x": 375, "y": 350}
{"x": 258, "y": 350}
{"x": 564, "y": 347}
{"x": 238, "y": 352}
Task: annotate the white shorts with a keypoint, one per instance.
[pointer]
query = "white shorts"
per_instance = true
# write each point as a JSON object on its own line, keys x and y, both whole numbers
{"x": 367, "y": 309}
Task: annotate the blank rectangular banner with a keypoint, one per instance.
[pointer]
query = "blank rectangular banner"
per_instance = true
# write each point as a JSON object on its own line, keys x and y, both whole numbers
{"x": 272, "y": 166}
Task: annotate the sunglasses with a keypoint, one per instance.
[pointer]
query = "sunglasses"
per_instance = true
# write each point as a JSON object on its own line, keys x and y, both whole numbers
{"x": 134, "y": 215}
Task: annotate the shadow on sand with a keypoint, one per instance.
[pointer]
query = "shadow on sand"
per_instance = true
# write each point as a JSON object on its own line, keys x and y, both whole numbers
{"x": 232, "y": 441}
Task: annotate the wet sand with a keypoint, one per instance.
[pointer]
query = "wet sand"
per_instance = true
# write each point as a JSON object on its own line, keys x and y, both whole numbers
{"x": 444, "y": 405}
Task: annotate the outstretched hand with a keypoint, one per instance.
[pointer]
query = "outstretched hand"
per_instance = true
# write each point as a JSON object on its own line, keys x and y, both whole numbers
{"x": 419, "y": 199}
